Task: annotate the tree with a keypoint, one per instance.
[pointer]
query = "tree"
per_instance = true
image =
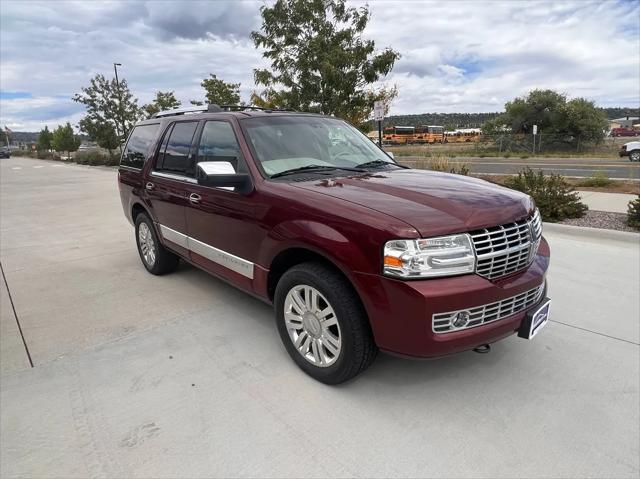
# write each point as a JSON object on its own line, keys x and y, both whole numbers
{"x": 63, "y": 139}
{"x": 164, "y": 100}
{"x": 106, "y": 138}
{"x": 319, "y": 59}
{"x": 108, "y": 102}
{"x": 219, "y": 92}
{"x": 44, "y": 139}
{"x": 561, "y": 120}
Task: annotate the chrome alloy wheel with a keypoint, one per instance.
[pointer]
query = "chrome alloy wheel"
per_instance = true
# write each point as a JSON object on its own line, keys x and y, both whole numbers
{"x": 312, "y": 325}
{"x": 147, "y": 245}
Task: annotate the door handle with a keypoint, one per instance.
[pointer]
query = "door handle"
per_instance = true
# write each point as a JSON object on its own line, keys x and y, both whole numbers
{"x": 150, "y": 186}
{"x": 195, "y": 198}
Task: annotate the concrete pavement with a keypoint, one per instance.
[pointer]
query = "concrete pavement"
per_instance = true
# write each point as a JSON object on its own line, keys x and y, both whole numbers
{"x": 613, "y": 202}
{"x": 184, "y": 376}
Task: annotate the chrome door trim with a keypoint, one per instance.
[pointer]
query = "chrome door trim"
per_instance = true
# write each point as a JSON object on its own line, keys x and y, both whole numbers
{"x": 239, "y": 265}
{"x": 218, "y": 256}
{"x": 174, "y": 236}
{"x": 171, "y": 176}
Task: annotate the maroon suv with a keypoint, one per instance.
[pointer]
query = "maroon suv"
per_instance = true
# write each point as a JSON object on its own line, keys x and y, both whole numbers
{"x": 356, "y": 252}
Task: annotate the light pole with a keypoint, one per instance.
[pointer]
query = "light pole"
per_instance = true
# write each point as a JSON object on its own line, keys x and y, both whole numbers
{"x": 115, "y": 69}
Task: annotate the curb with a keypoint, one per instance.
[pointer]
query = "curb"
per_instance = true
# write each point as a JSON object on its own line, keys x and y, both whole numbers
{"x": 595, "y": 233}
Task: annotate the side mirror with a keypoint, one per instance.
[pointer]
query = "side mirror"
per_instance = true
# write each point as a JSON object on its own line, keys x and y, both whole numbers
{"x": 390, "y": 154}
{"x": 221, "y": 174}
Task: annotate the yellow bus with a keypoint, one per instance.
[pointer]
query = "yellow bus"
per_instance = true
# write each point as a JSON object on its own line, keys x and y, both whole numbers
{"x": 463, "y": 135}
{"x": 398, "y": 135}
{"x": 429, "y": 134}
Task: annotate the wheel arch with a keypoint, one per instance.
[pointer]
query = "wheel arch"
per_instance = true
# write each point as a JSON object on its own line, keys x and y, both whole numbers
{"x": 292, "y": 256}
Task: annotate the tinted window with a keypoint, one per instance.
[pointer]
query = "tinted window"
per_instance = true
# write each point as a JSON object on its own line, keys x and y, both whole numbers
{"x": 218, "y": 143}
{"x": 176, "y": 156}
{"x": 137, "y": 149}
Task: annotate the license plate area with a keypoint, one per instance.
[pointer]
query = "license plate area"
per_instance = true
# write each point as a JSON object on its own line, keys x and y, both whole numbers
{"x": 535, "y": 320}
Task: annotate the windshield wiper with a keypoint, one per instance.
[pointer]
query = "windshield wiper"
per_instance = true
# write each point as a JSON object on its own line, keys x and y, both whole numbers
{"x": 369, "y": 164}
{"x": 314, "y": 168}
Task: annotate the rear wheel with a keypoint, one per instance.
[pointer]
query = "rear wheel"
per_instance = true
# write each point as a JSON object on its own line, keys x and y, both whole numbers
{"x": 322, "y": 323}
{"x": 634, "y": 155}
{"x": 155, "y": 257}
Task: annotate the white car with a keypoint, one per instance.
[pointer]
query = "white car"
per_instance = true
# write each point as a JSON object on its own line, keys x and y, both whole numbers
{"x": 632, "y": 150}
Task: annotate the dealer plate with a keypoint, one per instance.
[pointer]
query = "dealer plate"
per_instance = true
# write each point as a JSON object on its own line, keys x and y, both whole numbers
{"x": 534, "y": 321}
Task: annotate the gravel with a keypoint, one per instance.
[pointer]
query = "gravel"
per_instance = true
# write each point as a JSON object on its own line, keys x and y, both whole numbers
{"x": 602, "y": 219}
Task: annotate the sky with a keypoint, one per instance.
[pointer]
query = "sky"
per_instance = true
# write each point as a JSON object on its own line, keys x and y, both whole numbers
{"x": 457, "y": 56}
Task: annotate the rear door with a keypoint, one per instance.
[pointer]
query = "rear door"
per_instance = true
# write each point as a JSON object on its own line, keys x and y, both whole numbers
{"x": 168, "y": 184}
{"x": 224, "y": 225}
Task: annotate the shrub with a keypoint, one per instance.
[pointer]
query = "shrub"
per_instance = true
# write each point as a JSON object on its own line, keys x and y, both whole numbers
{"x": 93, "y": 158}
{"x": 599, "y": 178}
{"x": 633, "y": 213}
{"x": 555, "y": 198}
{"x": 442, "y": 163}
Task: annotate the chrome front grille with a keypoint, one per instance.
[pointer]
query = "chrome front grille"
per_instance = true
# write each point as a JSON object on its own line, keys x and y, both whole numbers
{"x": 442, "y": 322}
{"x": 508, "y": 248}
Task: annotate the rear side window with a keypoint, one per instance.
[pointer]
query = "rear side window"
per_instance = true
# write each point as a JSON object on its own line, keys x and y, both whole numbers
{"x": 137, "y": 150}
{"x": 175, "y": 158}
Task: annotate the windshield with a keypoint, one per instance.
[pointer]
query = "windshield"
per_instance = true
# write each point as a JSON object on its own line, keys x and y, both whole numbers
{"x": 291, "y": 142}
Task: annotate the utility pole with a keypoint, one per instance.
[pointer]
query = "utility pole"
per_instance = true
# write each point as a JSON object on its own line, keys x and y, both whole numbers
{"x": 115, "y": 69}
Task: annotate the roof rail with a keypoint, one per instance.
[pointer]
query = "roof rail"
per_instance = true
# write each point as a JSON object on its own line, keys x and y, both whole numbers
{"x": 213, "y": 108}
{"x": 251, "y": 107}
{"x": 210, "y": 108}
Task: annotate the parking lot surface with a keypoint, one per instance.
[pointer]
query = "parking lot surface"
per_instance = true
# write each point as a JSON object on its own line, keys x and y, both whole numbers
{"x": 184, "y": 376}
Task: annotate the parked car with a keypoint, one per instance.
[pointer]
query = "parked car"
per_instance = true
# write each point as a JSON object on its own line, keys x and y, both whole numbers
{"x": 624, "y": 132}
{"x": 5, "y": 152}
{"x": 631, "y": 149}
{"x": 355, "y": 252}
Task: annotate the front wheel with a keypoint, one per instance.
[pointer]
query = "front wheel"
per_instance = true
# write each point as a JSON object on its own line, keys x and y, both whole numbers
{"x": 322, "y": 323}
{"x": 634, "y": 155}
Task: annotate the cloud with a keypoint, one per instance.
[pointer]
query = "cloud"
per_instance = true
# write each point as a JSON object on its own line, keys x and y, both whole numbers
{"x": 456, "y": 56}
{"x": 203, "y": 19}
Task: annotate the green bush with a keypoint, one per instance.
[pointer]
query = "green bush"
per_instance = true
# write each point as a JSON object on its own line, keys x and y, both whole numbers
{"x": 45, "y": 155}
{"x": 633, "y": 213}
{"x": 599, "y": 178}
{"x": 27, "y": 153}
{"x": 555, "y": 198}
{"x": 93, "y": 158}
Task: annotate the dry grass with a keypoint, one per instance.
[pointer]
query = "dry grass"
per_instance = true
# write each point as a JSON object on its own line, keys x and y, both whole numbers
{"x": 442, "y": 163}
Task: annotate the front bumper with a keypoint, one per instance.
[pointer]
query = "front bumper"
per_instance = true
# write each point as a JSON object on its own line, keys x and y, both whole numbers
{"x": 401, "y": 312}
{"x": 623, "y": 152}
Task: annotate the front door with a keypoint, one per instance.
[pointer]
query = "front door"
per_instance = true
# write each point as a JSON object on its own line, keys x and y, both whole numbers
{"x": 224, "y": 226}
{"x": 167, "y": 186}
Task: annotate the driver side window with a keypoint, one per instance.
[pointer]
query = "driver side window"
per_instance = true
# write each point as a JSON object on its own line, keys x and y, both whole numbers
{"x": 218, "y": 143}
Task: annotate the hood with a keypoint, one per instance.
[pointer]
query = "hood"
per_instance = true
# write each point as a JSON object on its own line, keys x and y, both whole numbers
{"x": 433, "y": 203}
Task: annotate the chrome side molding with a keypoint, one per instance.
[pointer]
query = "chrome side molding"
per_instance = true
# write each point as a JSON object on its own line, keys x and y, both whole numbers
{"x": 218, "y": 256}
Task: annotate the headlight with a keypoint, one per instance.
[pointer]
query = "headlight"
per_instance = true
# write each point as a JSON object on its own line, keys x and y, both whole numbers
{"x": 425, "y": 258}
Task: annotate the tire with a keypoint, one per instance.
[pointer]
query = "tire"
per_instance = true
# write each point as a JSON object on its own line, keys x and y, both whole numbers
{"x": 634, "y": 155}
{"x": 356, "y": 348}
{"x": 155, "y": 257}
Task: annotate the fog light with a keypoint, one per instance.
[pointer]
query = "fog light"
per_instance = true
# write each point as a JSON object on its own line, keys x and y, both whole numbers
{"x": 461, "y": 319}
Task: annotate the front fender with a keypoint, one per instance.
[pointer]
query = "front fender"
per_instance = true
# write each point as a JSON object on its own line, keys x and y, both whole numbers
{"x": 319, "y": 238}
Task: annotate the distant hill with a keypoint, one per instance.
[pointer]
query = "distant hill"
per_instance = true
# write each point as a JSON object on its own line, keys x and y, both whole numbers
{"x": 452, "y": 121}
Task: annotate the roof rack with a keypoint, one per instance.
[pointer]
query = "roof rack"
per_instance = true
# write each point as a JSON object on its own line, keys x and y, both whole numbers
{"x": 213, "y": 108}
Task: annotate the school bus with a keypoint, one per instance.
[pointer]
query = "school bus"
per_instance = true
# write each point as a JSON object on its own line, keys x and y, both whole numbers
{"x": 429, "y": 134}
{"x": 463, "y": 135}
{"x": 398, "y": 135}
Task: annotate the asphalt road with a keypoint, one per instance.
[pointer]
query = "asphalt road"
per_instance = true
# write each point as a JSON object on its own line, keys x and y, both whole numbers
{"x": 621, "y": 169}
{"x": 184, "y": 376}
